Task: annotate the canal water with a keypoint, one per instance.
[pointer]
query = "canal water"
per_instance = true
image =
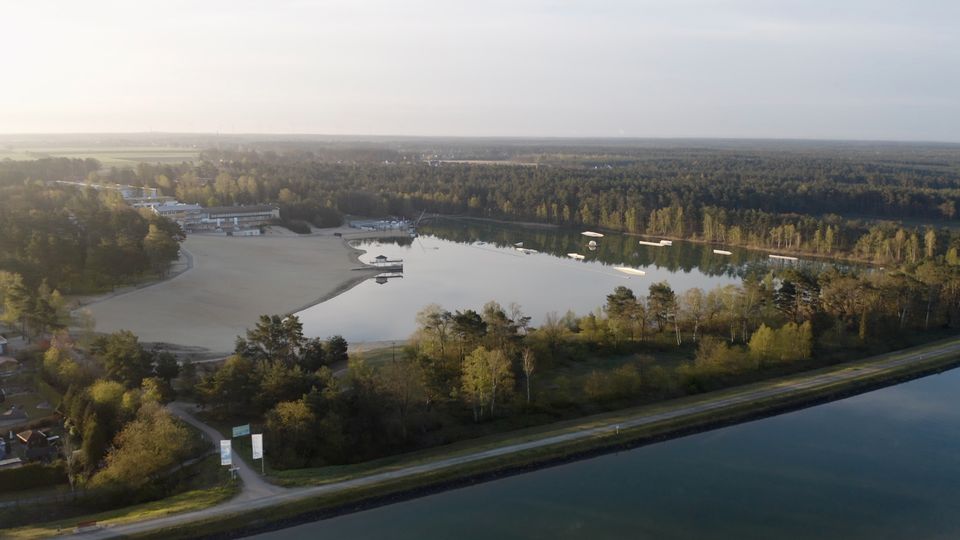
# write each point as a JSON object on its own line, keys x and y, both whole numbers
{"x": 463, "y": 266}
{"x": 881, "y": 465}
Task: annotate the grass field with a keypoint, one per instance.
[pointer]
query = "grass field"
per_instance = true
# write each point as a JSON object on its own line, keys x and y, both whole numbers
{"x": 122, "y": 156}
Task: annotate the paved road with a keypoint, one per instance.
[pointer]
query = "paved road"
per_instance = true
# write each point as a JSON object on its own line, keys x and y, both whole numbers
{"x": 254, "y": 486}
{"x": 264, "y": 496}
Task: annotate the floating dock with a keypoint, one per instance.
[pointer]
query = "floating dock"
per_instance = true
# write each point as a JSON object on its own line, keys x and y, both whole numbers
{"x": 651, "y": 244}
{"x": 592, "y": 234}
{"x": 526, "y": 251}
{"x": 784, "y": 258}
{"x": 576, "y": 256}
{"x": 722, "y": 252}
{"x": 631, "y": 271}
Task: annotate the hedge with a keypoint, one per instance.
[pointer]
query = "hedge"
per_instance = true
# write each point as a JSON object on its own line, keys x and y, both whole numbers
{"x": 33, "y": 475}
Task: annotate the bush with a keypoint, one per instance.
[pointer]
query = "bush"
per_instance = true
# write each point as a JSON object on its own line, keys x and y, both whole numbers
{"x": 34, "y": 475}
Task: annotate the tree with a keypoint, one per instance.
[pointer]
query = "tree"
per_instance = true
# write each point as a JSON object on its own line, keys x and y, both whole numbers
{"x": 337, "y": 348}
{"x": 401, "y": 382}
{"x": 160, "y": 249}
{"x": 231, "y": 388}
{"x": 290, "y": 433}
{"x": 694, "y": 305}
{"x": 529, "y": 365}
{"x": 273, "y": 338}
{"x": 145, "y": 448}
{"x": 123, "y": 358}
{"x": 763, "y": 345}
{"x": 434, "y": 324}
{"x": 486, "y": 375}
{"x": 662, "y": 302}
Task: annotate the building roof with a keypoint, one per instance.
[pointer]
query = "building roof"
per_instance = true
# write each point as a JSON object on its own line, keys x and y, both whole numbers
{"x": 253, "y": 209}
{"x": 3, "y": 340}
{"x": 31, "y": 435}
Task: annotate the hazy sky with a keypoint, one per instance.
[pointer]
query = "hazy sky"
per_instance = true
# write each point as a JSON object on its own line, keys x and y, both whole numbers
{"x": 865, "y": 69}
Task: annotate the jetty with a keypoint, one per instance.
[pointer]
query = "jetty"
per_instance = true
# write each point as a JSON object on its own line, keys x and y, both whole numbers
{"x": 722, "y": 252}
{"x": 629, "y": 270}
{"x": 526, "y": 251}
{"x": 382, "y": 263}
{"x": 651, "y": 244}
{"x": 784, "y": 257}
{"x": 576, "y": 256}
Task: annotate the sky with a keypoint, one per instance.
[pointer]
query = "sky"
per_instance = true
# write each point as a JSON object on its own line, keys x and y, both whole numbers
{"x": 819, "y": 69}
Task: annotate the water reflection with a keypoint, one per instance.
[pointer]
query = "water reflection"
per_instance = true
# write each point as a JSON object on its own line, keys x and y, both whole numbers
{"x": 464, "y": 265}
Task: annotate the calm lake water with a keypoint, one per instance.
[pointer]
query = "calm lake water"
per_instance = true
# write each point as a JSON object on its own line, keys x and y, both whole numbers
{"x": 880, "y": 465}
{"x": 463, "y": 266}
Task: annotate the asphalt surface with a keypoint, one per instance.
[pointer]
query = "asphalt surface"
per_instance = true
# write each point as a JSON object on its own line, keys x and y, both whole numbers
{"x": 258, "y": 494}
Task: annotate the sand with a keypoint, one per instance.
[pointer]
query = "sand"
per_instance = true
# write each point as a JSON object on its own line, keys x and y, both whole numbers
{"x": 232, "y": 281}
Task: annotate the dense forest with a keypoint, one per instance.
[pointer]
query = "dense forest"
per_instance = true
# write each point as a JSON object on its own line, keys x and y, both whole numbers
{"x": 790, "y": 201}
{"x": 76, "y": 240}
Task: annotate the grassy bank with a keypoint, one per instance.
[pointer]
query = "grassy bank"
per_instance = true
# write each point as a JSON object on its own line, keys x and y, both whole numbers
{"x": 364, "y": 485}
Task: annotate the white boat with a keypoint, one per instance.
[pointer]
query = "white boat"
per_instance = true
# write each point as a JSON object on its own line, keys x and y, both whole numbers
{"x": 527, "y": 251}
{"x": 592, "y": 234}
{"x": 722, "y": 252}
{"x": 651, "y": 244}
{"x": 628, "y": 270}
{"x": 518, "y": 244}
{"x": 784, "y": 258}
{"x": 576, "y": 256}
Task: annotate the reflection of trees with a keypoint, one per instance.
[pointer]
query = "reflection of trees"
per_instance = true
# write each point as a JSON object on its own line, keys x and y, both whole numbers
{"x": 613, "y": 249}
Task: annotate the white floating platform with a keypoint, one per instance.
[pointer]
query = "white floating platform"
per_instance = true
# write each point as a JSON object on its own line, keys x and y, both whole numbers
{"x": 784, "y": 258}
{"x": 592, "y": 234}
{"x": 576, "y": 256}
{"x": 666, "y": 242}
{"x": 631, "y": 271}
{"x": 527, "y": 251}
{"x": 722, "y": 252}
{"x": 651, "y": 244}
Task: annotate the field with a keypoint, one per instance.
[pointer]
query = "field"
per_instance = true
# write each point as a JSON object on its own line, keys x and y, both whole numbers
{"x": 120, "y": 156}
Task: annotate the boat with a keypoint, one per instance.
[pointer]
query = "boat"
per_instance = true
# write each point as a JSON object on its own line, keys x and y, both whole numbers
{"x": 784, "y": 258}
{"x": 518, "y": 244}
{"x": 527, "y": 251}
{"x": 592, "y": 234}
{"x": 629, "y": 270}
{"x": 652, "y": 244}
{"x": 576, "y": 256}
{"x": 722, "y": 252}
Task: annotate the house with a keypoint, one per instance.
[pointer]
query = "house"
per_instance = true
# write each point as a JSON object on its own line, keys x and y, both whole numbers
{"x": 33, "y": 438}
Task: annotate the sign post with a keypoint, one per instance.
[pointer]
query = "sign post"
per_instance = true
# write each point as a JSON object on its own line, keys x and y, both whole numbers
{"x": 240, "y": 431}
{"x": 226, "y": 453}
{"x": 256, "y": 442}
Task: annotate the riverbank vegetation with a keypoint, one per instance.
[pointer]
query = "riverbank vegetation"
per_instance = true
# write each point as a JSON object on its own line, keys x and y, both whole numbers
{"x": 473, "y": 372}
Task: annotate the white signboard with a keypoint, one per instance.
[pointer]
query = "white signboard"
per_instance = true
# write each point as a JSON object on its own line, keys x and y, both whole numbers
{"x": 226, "y": 456}
{"x": 257, "y": 443}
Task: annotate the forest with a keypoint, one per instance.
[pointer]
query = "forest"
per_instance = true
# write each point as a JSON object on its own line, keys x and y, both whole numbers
{"x": 76, "y": 240}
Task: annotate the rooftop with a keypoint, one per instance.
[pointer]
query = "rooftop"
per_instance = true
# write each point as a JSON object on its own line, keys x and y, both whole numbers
{"x": 240, "y": 209}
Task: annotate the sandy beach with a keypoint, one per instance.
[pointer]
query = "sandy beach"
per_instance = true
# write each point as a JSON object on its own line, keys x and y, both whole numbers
{"x": 233, "y": 280}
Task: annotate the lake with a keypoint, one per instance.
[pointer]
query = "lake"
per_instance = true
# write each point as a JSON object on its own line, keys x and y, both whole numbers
{"x": 464, "y": 265}
{"x": 880, "y": 465}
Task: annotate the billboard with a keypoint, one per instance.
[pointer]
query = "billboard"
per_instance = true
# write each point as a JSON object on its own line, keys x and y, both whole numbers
{"x": 240, "y": 431}
{"x": 257, "y": 444}
{"x": 226, "y": 456}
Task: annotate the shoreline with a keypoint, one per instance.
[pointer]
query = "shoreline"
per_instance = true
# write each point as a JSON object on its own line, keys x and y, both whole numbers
{"x": 229, "y": 281}
{"x": 571, "y": 441}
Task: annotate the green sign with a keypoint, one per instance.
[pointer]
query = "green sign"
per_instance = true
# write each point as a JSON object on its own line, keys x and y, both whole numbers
{"x": 240, "y": 431}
